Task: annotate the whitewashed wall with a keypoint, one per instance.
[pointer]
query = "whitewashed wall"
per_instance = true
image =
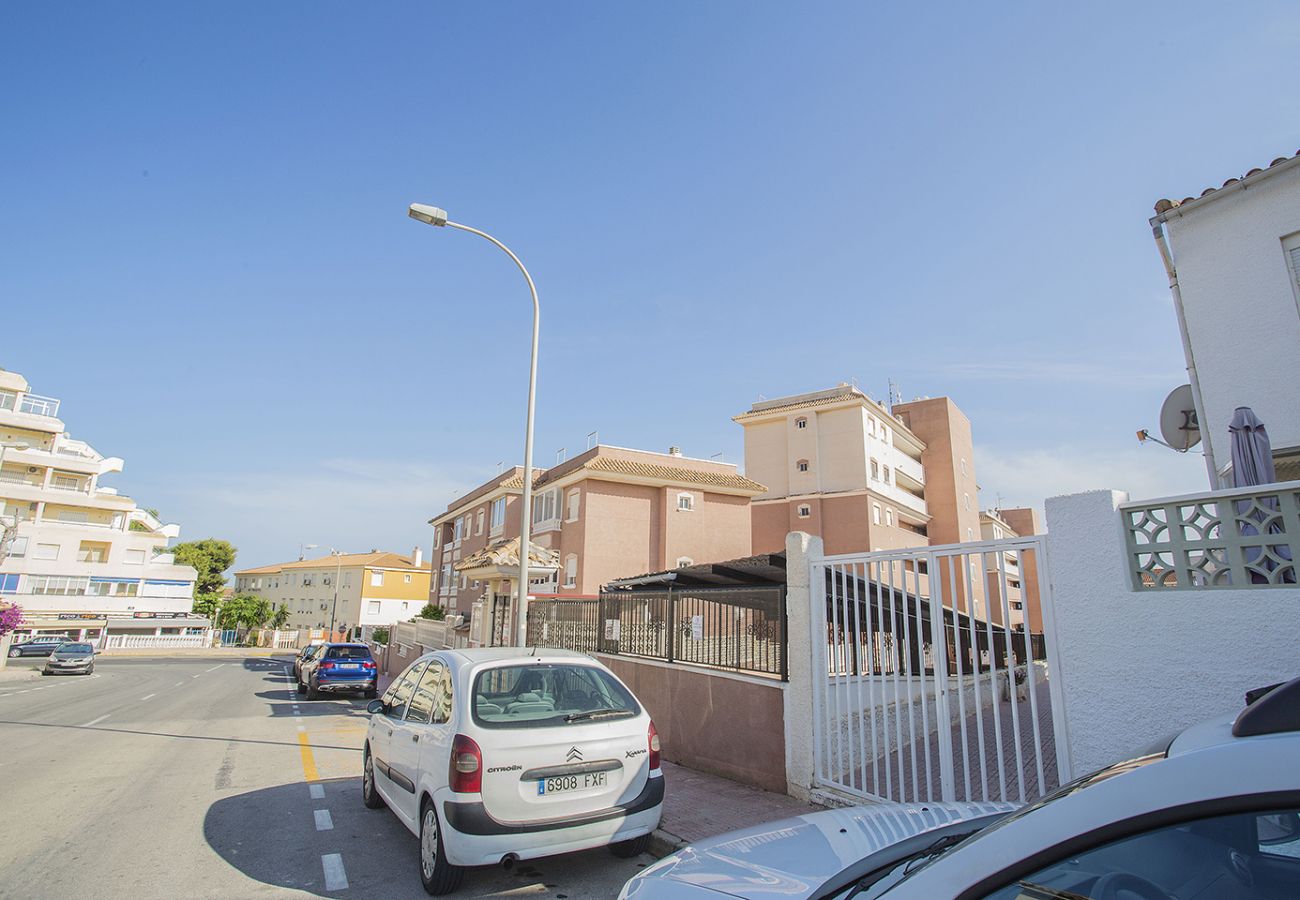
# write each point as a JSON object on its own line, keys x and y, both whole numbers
{"x": 1243, "y": 320}
{"x": 1136, "y": 666}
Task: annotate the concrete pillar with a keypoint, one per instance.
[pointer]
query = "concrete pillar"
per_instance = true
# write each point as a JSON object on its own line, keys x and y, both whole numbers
{"x": 799, "y": 548}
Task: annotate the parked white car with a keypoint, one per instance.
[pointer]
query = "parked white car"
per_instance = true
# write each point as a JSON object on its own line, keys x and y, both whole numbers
{"x": 1213, "y": 814}
{"x": 495, "y": 755}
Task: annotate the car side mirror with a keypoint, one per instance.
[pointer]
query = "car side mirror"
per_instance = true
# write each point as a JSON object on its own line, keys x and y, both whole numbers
{"x": 1278, "y": 828}
{"x": 376, "y": 707}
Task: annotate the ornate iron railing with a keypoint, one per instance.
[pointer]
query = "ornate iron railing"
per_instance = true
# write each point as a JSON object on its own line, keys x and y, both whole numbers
{"x": 1240, "y": 538}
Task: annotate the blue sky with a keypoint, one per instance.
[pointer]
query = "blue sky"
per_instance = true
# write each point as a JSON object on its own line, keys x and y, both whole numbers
{"x": 204, "y": 250}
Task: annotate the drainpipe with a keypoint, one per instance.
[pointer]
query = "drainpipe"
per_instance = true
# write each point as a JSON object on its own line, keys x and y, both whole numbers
{"x": 1157, "y": 231}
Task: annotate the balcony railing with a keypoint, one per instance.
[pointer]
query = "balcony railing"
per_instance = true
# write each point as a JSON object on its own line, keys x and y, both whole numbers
{"x": 1239, "y": 538}
{"x": 18, "y": 478}
{"x": 37, "y": 405}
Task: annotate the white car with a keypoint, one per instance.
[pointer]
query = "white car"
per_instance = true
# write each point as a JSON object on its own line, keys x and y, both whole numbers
{"x": 496, "y": 755}
{"x": 1213, "y": 814}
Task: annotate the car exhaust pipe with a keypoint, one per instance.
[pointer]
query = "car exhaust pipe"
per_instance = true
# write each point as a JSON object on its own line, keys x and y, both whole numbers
{"x": 508, "y": 861}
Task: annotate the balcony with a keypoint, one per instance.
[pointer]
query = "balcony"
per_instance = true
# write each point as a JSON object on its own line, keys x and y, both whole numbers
{"x": 1239, "y": 538}
{"x": 30, "y": 411}
{"x": 36, "y": 405}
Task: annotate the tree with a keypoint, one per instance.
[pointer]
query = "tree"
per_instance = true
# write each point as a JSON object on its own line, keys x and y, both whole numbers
{"x": 244, "y": 611}
{"x": 380, "y": 636}
{"x": 207, "y": 605}
{"x": 431, "y": 611}
{"x": 280, "y": 618}
{"x": 211, "y": 557}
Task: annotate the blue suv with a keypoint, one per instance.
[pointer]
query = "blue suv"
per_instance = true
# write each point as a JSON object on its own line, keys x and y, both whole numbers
{"x": 339, "y": 667}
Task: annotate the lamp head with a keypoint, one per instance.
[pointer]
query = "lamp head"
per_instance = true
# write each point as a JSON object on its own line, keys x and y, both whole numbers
{"x": 430, "y": 215}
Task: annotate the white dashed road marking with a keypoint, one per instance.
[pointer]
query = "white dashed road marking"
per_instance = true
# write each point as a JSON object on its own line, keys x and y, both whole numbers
{"x": 317, "y": 791}
{"x": 95, "y": 721}
{"x": 323, "y": 820}
{"x": 214, "y": 668}
{"x": 148, "y": 697}
{"x": 179, "y": 683}
{"x": 336, "y": 879}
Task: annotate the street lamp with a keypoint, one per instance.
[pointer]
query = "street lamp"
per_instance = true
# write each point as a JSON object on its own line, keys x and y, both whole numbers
{"x": 432, "y": 215}
{"x": 303, "y": 548}
{"x": 338, "y": 574}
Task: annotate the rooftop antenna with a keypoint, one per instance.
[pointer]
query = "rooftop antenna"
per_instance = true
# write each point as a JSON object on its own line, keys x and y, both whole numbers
{"x": 895, "y": 395}
{"x": 1178, "y": 424}
{"x": 593, "y": 439}
{"x": 500, "y": 465}
{"x": 718, "y": 456}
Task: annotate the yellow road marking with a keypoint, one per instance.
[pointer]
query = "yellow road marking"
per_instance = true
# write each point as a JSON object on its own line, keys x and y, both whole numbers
{"x": 308, "y": 760}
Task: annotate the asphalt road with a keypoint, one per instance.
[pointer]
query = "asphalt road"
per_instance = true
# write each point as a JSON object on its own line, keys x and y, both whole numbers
{"x": 159, "y": 777}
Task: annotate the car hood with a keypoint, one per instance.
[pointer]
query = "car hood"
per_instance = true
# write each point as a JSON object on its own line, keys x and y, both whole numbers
{"x": 794, "y": 857}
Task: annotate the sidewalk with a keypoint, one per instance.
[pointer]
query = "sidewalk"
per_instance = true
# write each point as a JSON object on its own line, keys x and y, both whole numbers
{"x": 698, "y": 805}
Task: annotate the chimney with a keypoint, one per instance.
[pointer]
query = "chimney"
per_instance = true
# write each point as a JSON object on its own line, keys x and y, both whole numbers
{"x": 674, "y": 451}
{"x": 417, "y": 557}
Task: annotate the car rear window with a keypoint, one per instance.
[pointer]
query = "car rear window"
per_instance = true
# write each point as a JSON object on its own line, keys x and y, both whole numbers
{"x": 348, "y": 653}
{"x": 544, "y": 695}
{"x": 76, "y": 648}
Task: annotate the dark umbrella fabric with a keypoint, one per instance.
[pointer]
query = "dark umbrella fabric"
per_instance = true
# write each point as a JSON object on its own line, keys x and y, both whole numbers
{"x": 1252, "y": 465}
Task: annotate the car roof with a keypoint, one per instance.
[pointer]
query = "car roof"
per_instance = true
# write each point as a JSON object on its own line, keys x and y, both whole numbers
{"x": 479, "y": 655}
{"x": 348, "y": 644}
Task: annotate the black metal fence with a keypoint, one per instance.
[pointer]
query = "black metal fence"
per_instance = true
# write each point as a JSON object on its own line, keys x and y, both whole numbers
{"x": 741, "y": 629}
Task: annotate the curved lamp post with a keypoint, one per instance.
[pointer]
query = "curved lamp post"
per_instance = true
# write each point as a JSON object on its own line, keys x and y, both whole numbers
{"x": 432, "y": 215}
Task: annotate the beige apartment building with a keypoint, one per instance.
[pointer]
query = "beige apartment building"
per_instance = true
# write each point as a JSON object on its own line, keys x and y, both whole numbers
{"x": 375, "y": 588}
{"x": 861, "y": 476}
{"x": 608, "y": 513}
{"x": 1019, "y": 570}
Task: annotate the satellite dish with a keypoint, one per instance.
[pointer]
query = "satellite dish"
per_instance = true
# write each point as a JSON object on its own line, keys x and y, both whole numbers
{"x": 1178, "y": 425}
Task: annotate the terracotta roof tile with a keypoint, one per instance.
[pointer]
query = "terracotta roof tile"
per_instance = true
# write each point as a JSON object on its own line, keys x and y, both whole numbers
{"x": 506, "y": 553}
{"x": 1163, "y": 205}
{"x": 379, "y": 558}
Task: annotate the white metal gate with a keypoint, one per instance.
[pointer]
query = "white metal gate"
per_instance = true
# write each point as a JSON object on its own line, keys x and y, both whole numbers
{"x": 908, "y": 711}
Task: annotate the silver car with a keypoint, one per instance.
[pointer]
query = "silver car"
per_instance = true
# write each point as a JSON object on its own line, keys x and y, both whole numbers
{"x": 70, "y": 659}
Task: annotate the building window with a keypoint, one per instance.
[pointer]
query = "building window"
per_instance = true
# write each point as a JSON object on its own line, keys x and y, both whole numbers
{"x": 437, "y": 536}
{"x": 498, "y": 514}
{"x": 445, "y": 581}
{"x": 51, "y": 551}
{"x": 970, "y": 536}
{"x": 963, "y": 465}
{"x": 966, "y": 501}
{"x": 997, "y": 533}
{"x": 547, "y": 507}
{"x": 875, "y": 513}
{"x": 376, "y": 579}
{"x": 18, "y": 547}
{"x": 801, "y": 422}
{"x": 685, "y": 502}
{"x": 803, "y": 465}
{"x": 804, "y": 510}
{"x": 456, "y": 534}
{"x": 575, "y": 497}
{"x": 889, "y": 516}
{"x": 373, "y": 607}
{"x": 875, "y": 470}
{"x": 884, "y": 474}
{"x": 464, "y": 582}
{"x": 571, "y": 571}
{"x": 478, "y": 525}
{"x": 871, "y": 426}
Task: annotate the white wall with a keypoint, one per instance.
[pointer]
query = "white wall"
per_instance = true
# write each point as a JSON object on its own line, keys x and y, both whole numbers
{"x": 1137, "y": 666}
{"x": 1241, "y": 309}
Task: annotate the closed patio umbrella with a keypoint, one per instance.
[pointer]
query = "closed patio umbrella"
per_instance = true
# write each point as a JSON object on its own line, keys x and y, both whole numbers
{"x": 1252, "y": 465}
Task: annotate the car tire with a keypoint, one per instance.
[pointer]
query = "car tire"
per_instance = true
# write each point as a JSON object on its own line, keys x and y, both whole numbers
{"x": 631, "y": 847}
{"x": 90, "y": 670}
{"x": 436, "y": 874}
{"x": 369, "y": 796}
{"x": 45, "y": 671}
{"x": 15, "y": 653}
{"x": 312, "y": 693}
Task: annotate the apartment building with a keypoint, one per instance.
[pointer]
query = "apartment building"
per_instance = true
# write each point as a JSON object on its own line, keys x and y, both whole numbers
{"x": 861, "y": 476}
{"x": 1020, "y": 571}
{"x": 608, "y": 513}
{"x": 348, "y": 589}
{"x": 76, "y": 555}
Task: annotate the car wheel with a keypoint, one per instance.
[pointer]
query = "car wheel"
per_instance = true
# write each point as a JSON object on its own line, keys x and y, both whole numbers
{"x": 369, "y": 796}
{"x": 45, "y": 671}
{"x": 436, "y": 874}
{"x": 312, "y": 693}
{"x": 630, "y": 848}
{"x": 302, "y": 688}
{"x": 90, "y": 669}
{"x": 15, "y": 653}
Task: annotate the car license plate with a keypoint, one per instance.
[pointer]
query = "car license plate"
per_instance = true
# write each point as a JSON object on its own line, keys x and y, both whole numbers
{"x": 563, "y": 784}
{"x": 350, "y": 666}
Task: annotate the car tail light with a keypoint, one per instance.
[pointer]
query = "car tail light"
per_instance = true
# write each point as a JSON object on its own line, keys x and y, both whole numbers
{"x": 327, "y": 665}
{"x": 367, "y": 665}
{"x": 466, "y": 775}
{"x": 654, "y": 747}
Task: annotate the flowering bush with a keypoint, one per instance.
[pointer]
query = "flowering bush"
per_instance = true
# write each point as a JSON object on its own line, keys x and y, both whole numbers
{"x": 11, "y": 616}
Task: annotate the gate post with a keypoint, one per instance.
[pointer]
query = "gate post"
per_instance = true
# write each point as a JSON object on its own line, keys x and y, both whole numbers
{"x": 939, "y": 649}
{"x": 805, "y": 662}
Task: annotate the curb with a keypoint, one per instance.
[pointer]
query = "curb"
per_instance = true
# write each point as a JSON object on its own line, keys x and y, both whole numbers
{"x": 8, "y": 674}
{"x": 665, "y": 843}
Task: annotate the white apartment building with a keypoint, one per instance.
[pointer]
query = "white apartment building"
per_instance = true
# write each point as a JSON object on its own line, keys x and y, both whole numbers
{"x": 1232, "y": 255}
{"x": 77, "y": 556}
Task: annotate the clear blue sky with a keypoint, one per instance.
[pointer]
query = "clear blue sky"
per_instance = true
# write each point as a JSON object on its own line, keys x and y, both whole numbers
{"x": 204, "y": 250}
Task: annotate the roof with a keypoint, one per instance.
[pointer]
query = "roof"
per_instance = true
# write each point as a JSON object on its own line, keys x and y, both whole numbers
{"x": 1163, "y": 205}
{"x": 676, "y": 474}
{"x": 761, "y": 570}
{"x": 377, "y": 558}
{"x": 506, "y": 553}
{"x": 805, "y": 401}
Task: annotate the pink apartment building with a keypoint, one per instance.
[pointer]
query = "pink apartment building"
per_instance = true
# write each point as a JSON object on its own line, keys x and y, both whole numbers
{"x": 607, "y": 513}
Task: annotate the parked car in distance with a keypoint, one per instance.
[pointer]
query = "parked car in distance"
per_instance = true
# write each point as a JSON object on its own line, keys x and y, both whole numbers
{"x": 305, "y": 654}
{"x": 71, "y": 658}
{"x": 497, "y": 755}
{"x": 334, "y": 668}
{"x": 1213, "y": 814}
{"x": 41, "y": 645}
